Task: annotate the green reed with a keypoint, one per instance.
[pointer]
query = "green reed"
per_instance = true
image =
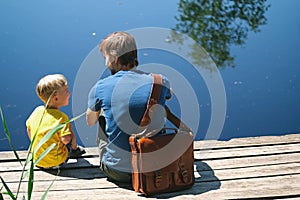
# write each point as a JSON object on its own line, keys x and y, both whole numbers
{"x": 29, "y": 159}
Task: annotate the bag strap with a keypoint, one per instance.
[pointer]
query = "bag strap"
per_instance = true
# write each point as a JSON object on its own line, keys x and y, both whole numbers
{"x": 153, "y": 99}
{"x": 176, "y": 121}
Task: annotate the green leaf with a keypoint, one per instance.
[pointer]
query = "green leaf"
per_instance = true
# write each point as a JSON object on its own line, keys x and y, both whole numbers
{"x": 53, "y": 131}
{"x": 30, "y": 181}
{"x": 29, "y": 156}
{"x": 48, "y": 136}
{"x": 28, "y": 159}
{"x": 7, "y": 189}
{"x": 8, "y": 136}
{"x": 39, "y": 159}
{"x": 44, "y": 153}
{"x": 74, "y": 118}
{"x": 48, "y": 189}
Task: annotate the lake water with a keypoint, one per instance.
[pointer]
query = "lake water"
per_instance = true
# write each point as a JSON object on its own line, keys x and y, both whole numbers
{"x": 255, "y": 46}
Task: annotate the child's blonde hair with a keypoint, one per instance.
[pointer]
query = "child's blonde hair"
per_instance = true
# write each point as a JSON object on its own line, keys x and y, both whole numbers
{"x": 49, "y": 84}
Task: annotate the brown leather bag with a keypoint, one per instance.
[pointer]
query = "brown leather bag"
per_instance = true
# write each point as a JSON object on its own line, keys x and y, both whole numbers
{"x": 163, "y": 162}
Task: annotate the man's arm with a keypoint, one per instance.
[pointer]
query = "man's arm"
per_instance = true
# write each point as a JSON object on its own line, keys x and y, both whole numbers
{"x": 92, "y": 117}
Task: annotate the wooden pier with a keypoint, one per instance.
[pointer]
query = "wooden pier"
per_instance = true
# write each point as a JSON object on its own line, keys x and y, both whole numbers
{"x": 265, "y": 167}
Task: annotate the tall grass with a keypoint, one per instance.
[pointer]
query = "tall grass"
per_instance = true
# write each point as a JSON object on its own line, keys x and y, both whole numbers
{"x": 29, "y": 159}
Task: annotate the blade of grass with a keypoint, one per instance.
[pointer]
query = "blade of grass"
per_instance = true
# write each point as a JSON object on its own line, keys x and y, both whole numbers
{"x": 7, "y": 189}
{"x": 40, "y": 122}
{"x": 44, "y": 153}
{"x": 48, "y": 136}
{"x": 38, "y": 160}
{"x": 44, "y": 139}
{"x": 8, "y": 136}
{"x": 30, "y": 181}
{"x": 31, "y": 170}
{"x": 24, "y": 175}
{"x": 53, "y": 131}
{"x": 29, "y": 156}
{"x": 75, "y": 118}
{"x": 48, "y": 189}
{"x": 1, "y": 196}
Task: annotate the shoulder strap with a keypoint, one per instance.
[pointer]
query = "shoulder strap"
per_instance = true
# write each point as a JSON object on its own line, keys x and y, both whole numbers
{"x": 176, "y": 121}
{"x": 153, "y": 98}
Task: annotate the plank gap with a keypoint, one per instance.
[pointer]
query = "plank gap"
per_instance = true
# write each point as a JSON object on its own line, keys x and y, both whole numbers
{"x": 249, "y": 177}
{"x": 267, "y": 198}
{"x": 251, "y": 166}
{"x": 243, "y": 146}
{"x": 246, "y": 156}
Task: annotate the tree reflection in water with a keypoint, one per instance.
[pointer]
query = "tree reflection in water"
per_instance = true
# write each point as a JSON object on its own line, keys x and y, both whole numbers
{"x": 217, "y": 24}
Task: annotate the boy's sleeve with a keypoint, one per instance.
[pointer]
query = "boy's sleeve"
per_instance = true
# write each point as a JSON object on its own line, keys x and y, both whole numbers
{"x": 66, "y": 130}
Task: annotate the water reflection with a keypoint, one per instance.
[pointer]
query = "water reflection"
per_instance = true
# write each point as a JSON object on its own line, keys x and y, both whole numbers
{"x": 217, "y": 24}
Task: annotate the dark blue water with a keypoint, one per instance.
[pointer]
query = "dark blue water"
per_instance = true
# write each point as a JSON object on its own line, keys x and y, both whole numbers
{"x": 260, "y": 75}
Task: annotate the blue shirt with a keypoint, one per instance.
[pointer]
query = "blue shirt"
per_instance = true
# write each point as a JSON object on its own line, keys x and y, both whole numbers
{"x": 123, "y": 98}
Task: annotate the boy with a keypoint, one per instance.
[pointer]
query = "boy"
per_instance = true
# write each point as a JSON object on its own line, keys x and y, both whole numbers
{"x": 53, "y": 91}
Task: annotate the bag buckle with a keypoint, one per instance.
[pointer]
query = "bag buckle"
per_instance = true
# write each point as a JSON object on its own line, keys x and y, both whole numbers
{"x": 158, "y": 179}
{"x": 184, "y": 173}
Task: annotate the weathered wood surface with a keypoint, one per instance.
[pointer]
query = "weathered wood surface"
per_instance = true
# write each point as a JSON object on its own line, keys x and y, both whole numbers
{"x": 247, "y": 168}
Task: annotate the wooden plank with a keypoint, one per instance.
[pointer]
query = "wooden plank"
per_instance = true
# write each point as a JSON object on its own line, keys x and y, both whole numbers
{"x": 282, "y": 186}
{"x": 247, "y": 151}
{"x": 233, "y": 143}
{"x": 63, "y": 174}
{"x": 249, "y": 141}
{"x": 250, "y": 172}
{"x": 205, "y": 175}
{"x": 9, "y": 155}
{"x": 252, "y": 161}
{"x": 201, "y": 145}
{"x": 202, "y": 155}
{"x": 260, "y": 167}
{"x": 72, "y": 163}
{"x": 201, "y": 169}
